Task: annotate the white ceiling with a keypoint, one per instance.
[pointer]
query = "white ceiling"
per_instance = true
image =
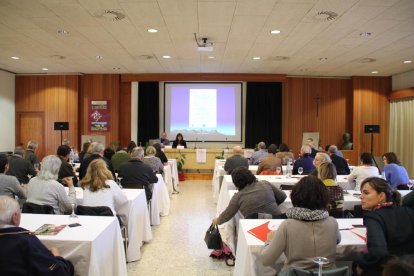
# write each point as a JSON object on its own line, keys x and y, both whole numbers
{"x": 239, "y": 30}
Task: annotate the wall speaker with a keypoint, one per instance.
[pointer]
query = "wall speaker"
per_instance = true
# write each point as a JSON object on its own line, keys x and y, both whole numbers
{"x": 61, "y": 125}
{"x": 372, "y": 129}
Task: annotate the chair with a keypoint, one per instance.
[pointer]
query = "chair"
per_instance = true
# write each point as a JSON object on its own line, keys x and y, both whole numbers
{"x": 286, "y": 187}
{"x": 104, "y": 211}
{"x": 295, "y": 271}
{"x": 33, "y": 208}
{"x": 256, "y": 216}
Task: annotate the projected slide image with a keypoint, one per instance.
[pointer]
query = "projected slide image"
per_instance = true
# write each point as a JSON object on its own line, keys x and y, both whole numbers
{"x": 203, "y": 108}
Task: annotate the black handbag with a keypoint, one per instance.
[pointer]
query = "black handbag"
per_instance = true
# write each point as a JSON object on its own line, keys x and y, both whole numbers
{"x": 213, "y": 238}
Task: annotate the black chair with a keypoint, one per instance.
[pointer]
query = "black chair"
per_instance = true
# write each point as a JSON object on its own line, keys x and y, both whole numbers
{"x": 32, "y": 208}
{"x": 104, "y": 211}
{"x": 286, "y": 187}
{"x": 256, "y": 216}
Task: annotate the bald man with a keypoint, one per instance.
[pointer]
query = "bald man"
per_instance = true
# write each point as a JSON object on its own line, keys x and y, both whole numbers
{"x": 259, "y": 154}
{"x": 237, "y": 160}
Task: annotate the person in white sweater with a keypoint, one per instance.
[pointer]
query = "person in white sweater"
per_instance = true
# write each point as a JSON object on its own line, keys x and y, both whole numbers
{"x": 101, "y": 189}
{"x": 362, "y": 172}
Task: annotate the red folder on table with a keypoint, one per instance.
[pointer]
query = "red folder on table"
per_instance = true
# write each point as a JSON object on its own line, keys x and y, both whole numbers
{"x": 261, "y": 231}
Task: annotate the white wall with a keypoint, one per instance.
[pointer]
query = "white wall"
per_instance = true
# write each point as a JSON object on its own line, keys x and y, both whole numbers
{"x": 403, "y": 80}
{"x": 7, "y": 109}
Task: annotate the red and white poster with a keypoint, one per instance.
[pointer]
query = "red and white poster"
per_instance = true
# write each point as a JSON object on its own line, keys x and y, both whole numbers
{"x": 99, "y": 115}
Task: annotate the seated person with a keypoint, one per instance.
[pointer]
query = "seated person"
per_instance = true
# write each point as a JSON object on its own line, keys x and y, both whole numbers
{"x": 259, "y": 154}
{"x": 30, "y": 154}
{"x": 366, "y": 170}
{"x": 320, "y": 158}
{"x": 20, "y": 167}
{"x": 22, "y": 253}
{"x": 390, "y": 227}
{"x": 151, "y": 160}
{"x": 136, "y": 174}
{"x": 9, "y": 185}
{"x": 160, "y": 154}
{"x": 327, "y": 173}
{"x": 179, "y": 141}
{"x": 120, "y": 157}
{"x": 237, "y": 160}
{"x": 308, "y": 232}
{"x": 100, "y": 189}
{"x": 284, "y": 154}
{"x": 45, "y": 190}
{"x": 163, "y": 139}
{"x": 340, "y": 163}
{"x": 96, "y": 150}
{"x": 305, "y": 161}
{"x": 270, "y": 162}
{"x": 66, "y": 169}
{"x": 253, "y": 197}
{"x": 394, "y": 172}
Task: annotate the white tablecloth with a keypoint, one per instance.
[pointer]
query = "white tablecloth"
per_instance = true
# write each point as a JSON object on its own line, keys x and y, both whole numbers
{"x": 168, "y": 179}
{"x": 174, "y": 170}
{"x": 160, "y": 203}
{"x": 216, "y": 178}
{"x": 95, "y": 248}
{"x": 249, "y": 247}
{"x": 139, "y": 226}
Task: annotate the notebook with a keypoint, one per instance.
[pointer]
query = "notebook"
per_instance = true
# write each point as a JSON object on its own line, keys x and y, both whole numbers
{"x": 260, "y": 231}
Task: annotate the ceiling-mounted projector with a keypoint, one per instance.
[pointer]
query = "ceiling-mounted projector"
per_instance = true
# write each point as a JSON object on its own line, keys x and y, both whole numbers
{"x": 203, "y": 44}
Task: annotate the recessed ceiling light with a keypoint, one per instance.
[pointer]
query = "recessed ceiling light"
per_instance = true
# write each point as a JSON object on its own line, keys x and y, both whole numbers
{"x": 211, "y": 57}
{"x": 166, "y": 56}
{"x": 365, "y": 34}
{"x": 323, "y": 59}
{"x": 374, "y": 72}
{"x": 15, "y": 57}
{"x": 407, "y": 61}
{"x": 256, "y": 58}
{"x": 275, "y": 32}
{"x": 44, "y": 69}
{"x": 62, "y": 32}
{"x": 99, "y": 57}
{"x": 152, "y": 30}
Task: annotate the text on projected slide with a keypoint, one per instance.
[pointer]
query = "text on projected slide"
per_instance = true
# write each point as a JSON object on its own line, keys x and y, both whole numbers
{"x": 203, "y": 108}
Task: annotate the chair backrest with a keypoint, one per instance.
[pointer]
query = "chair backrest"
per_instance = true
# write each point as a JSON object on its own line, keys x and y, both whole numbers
{"x": 286, "y": 187}
{"x": 33, "y": 208}
{"x": 94, "y": 211}
{"x": 340, "y": 271}
{"x": 268, "y": 172}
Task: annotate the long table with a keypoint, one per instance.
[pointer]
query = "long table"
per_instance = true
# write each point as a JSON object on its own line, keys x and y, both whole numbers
{"x": 248, "y": 259}
{"x": 95, "y": 248}
{"x": 160, "y": 202}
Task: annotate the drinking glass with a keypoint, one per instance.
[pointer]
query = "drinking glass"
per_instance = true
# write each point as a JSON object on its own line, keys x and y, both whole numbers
{"x": 73, "y": 215}
{"x": 410, "y": 185}
{"x": 119, "y": 179}
{"x": 278, "y": 170}
{"x": 300, "y": 170}
{"x": 320, "y": 261}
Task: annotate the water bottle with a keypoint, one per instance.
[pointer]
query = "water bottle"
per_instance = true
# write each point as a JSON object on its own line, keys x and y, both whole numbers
{"x": 288, "y": 168}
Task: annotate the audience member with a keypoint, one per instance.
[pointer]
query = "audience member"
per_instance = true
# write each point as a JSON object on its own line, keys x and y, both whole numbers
{"x": 308, "y": 232}
{"x": 253, "y": 197}
{"x": 9, "y": 185}
{"x": 270, "y": 162}
{"x": 108, "y": 153}
{"x": 179, "y": 141}
{"x": 21, "y": 252}
{"x": 131, "y": 145}
{"x": 311, "y": 144}
{"x": 340, "y": 163}
{"x": 30, "y": 154}
{"x": 120, "y": 157}
{"x": 163, "y": 139}
{"x": 137, "y": 175}
{"x": 259, "y": 154}
{"x": 96, "y": 151}
{"x": 390, "y": 227}
{"x": 408, "y": 200}
{"x": 74, "y": 155}
{"x": 100, "y": 189}
{"x": 395, "y": 173}
{"x": 237, "y": 160}
{"x": 327, "y": 173}
{"x": 84, "y": 150}
{"x": 338, "y": 152}
{"x": 320, "y": 158}
{"x": 66, "y": 169}
{"x": 151, "y": 160}
{"x": 20, "y": 167}
{"x": 366, "y": 170}
{"x": 45, "y": 190}
{"x": 305, "y": 161}
{"x": 284, "y": 154}
{"x": 160, "y": 154}
{"x": 403, "y": 266}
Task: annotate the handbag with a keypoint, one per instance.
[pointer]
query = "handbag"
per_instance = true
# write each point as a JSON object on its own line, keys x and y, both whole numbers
{"x": 213, "y": 237}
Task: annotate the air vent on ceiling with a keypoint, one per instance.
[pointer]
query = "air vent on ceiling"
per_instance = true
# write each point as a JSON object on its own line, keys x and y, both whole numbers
{"x": 364, "y": 60}
{"x": 323, "y": 16}
{"x": 110, "y": 15}
{"x": 278, "y": 58}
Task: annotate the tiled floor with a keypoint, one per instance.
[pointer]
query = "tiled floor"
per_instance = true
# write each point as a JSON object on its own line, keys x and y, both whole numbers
{"x": 178, "y": 247}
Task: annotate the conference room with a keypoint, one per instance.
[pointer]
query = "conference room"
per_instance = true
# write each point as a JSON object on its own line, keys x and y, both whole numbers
{"x": 220, "y": 73}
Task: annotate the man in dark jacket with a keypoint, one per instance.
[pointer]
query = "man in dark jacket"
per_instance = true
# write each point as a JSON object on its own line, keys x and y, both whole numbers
{"x": 20, "y": 167}
{"x": 66, "y": 169}
{"x": 237, "y": 160}
{"x": 340, "y": 163}
{"x": 97, "y": 151}
{"x": 22, "y": 253}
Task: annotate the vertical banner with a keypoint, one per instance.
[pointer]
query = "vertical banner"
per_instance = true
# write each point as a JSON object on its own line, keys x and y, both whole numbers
{"x": 99, "y": 116}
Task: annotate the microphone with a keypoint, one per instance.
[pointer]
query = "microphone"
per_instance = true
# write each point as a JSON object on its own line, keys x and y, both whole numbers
{"x": 227, "y": 144}
{"x": 195, "y": 145}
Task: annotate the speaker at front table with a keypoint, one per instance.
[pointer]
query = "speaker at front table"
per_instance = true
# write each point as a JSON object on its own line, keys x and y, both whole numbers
{"x": 372, "y": 129}
{"x": 61, "y": 125}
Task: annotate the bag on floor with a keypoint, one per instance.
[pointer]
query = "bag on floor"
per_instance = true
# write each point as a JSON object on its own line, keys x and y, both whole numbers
{"x": 225, "y": 254}
{"x": 213, "y": 237}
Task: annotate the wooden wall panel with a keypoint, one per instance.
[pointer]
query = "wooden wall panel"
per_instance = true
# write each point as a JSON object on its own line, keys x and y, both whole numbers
{"x": 401, "y": 94}
{"x": 371, "y": 107}
{"x": 100, "y": 87}
{"x": 57, "y": 97}
{"x": 125, "y": 113}
{"x": 301, "y": 112}
{"x": 204, "y": 77}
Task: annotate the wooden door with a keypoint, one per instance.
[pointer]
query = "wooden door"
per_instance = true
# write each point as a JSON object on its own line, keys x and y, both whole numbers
{"x": 30, "y": 126}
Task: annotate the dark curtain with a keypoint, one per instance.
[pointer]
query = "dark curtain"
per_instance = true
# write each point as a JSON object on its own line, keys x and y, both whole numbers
{"x": 263, "y": 113}
{"x": 148, "y": 111}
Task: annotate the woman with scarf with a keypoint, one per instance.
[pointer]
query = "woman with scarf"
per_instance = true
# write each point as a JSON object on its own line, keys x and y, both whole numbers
{"x": 308, "y": 229}
{"x": 390, "y": 227}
